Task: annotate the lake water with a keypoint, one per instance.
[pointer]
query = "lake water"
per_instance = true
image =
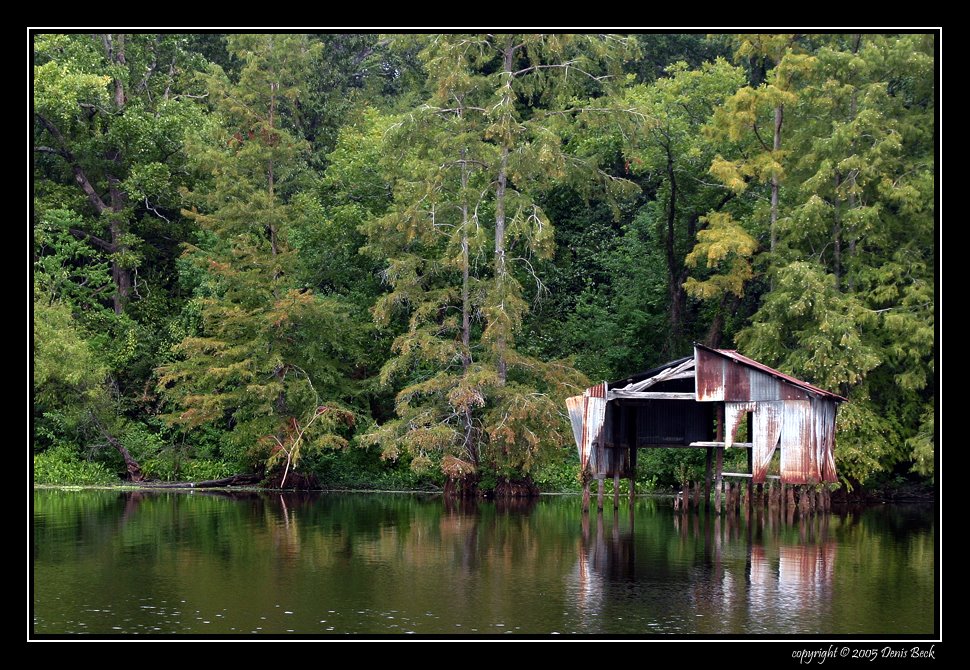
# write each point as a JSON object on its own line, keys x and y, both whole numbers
{"x": 110, "y": 562}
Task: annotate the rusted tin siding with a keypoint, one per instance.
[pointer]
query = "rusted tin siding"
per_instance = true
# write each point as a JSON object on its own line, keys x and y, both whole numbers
{"x": 769, "y": 420}
{"x": 734, "y": 415}
{"x": 788, "y": 412}
{"x": 798, "y": 462}
{"x": 587, "y": 414}
{"x": 824, "y": 410}
{"x": 709, "y": 376}
{"x": 722, "y": 378}
{"x": 712, "y": 363}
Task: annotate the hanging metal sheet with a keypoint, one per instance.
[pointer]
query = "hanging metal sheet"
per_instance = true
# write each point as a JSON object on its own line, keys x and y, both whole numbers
{"x": 823, "y": 413}
{"x": 798, "y": 462}
{"x": 734, "y": 415}
{"x": 575, "y": 406}
{"x": 593, "y": 417}
{"x": 769, "y": 422}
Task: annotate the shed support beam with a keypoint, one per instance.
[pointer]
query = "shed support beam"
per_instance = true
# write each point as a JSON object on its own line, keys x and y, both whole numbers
{"x": 719, "y": 463}
{"x": 707, "y": 477}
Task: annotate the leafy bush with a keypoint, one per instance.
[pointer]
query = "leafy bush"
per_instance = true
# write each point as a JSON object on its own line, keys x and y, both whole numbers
{"x": 560, "y": 477}
{"x": 201, "y": 469}
{"x": 62, "y": 466}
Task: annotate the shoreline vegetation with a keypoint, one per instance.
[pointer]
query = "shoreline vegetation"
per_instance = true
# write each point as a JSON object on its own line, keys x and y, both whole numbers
{"x": 363, "y": 261}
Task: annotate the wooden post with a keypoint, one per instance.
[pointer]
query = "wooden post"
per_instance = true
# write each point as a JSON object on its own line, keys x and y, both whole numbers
{"x": 632, "y": 440}
{"x": 750, "y": 453}
{"x": 719, "y": 464}
{"x": 599, "y": 493}
{"x": 586, "y": 497}
{"x": 707, "y": 477}
{"x": 633, "y": 473}
{"x": 616, "y": 487}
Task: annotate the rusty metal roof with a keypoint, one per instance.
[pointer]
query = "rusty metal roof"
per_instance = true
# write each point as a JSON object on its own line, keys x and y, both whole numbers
{"x": 740, "y": 358}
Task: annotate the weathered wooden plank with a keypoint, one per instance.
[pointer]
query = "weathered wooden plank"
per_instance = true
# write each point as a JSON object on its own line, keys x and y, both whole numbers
{"x": 733, "y": 445}
{"x": 746, "y": 475}
{"x": 669, "y": 373}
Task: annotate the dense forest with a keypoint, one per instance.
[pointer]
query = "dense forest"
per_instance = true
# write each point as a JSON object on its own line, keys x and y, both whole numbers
{"x": 383, "y": 261}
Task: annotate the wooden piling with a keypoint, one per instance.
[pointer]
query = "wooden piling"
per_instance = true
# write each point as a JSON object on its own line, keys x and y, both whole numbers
{"x": 616, "y": 488}
{"x": 586, "y": 497}
{"x": 750, "y": 453}
{"x": 707, "y": 477}
{"x": 633, "y": 469}
{"x": 599, "y": 493}
{"x": 719, "y": 461}
{"x": 697, "y": 495}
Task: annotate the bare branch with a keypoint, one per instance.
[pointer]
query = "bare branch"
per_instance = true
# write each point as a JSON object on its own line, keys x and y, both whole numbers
{"x": 754, "y": 127}
{"x": 155, "y": 211}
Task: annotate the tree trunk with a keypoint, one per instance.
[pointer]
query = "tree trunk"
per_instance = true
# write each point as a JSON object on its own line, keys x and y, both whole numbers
{"x": 775, "y": 181}
{"x": 466, "y": 359}
{"x": 837, "y": 235}
{"x": 131, "y": 465}
{"x": 119, "y": 228}
{"x": 674, "y": 285}
{"x": 501, "y": 271}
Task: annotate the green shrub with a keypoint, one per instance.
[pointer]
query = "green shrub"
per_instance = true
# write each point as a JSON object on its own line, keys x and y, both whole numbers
{"x": 201, "y": 469}
{"x": 560, "y": 477}
{"x": 61, "y": 466}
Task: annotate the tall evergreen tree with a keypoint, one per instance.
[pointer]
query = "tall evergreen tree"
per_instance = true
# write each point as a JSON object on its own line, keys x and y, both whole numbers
{"x": 272, "y": 358}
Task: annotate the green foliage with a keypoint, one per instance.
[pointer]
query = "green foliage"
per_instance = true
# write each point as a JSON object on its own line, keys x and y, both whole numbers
{"x": 265, "y": 353}
{"x": 61, "y": 466}
{"x": 256, "y": 251}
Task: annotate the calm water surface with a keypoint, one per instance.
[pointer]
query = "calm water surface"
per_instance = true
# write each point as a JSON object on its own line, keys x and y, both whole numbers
{"x": 208, "y": 563}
